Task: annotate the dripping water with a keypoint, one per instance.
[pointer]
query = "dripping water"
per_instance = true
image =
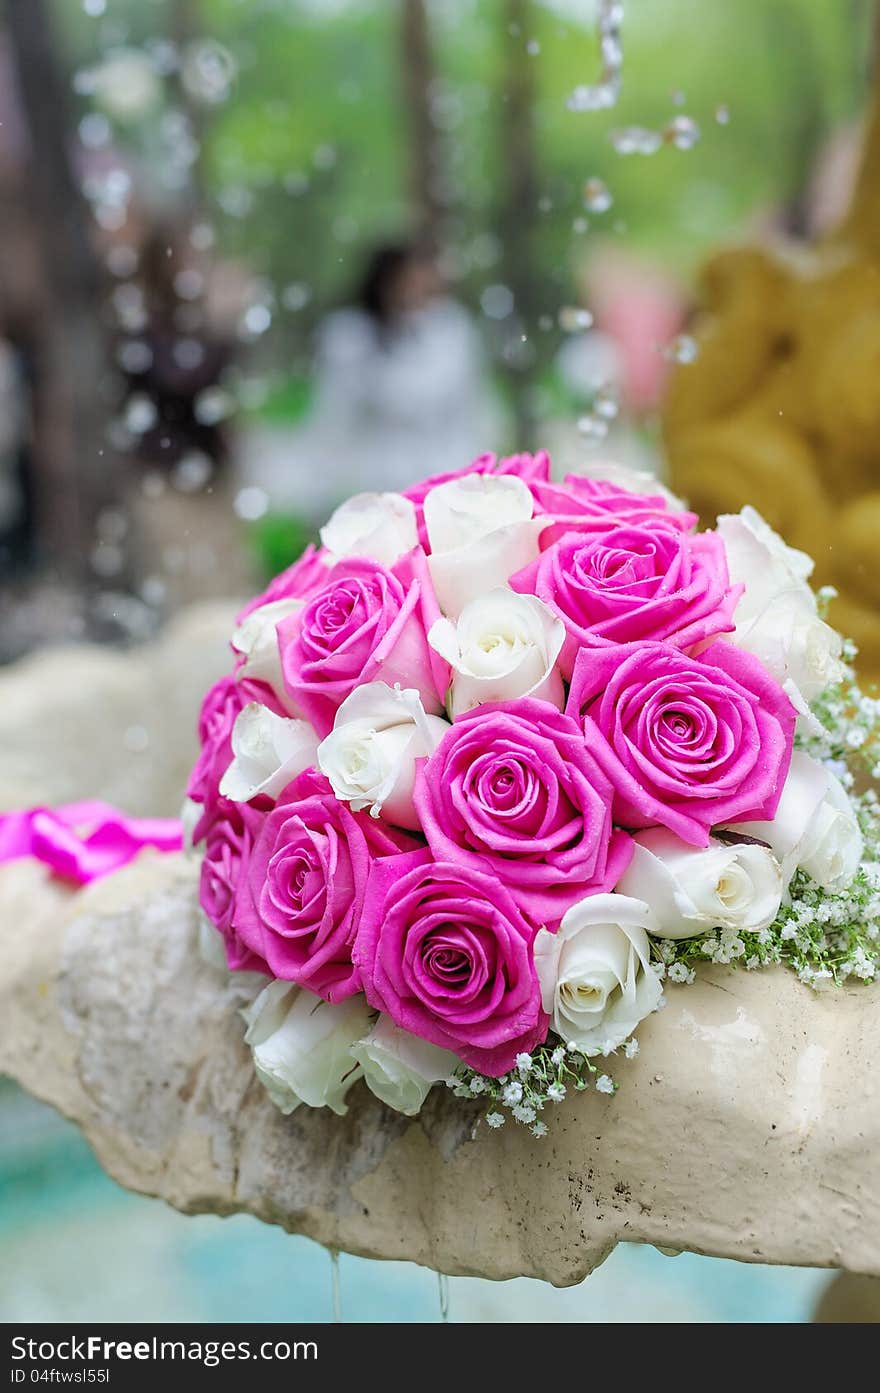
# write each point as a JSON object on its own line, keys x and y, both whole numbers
{"x": 443, "y": 1292}
{"x": 335, "y": 1287}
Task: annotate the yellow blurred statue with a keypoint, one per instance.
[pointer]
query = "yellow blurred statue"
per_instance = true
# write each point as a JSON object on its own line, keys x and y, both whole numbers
{"x": 781, "y": 406}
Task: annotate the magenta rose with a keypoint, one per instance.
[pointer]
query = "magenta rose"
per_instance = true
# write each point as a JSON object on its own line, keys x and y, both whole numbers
{"x": 367, "y": 624}
{"x": 686, "y": 742}
{"x": 514, "y": 790}
{"x": 446, "y": 952}
{"x": 219, "y": 709}
{"x": 299, "y": 582}
{"x": 634, "y": 583}
{"x": 300, "y": 897}
{"x": 595, "y": 505}
{"x": 229, "y": 837}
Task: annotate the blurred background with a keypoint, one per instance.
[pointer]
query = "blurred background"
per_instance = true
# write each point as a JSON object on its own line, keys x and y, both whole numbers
{"x": 256, "y": 255}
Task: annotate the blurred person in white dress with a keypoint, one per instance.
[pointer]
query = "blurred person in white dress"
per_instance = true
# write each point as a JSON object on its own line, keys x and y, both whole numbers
{"x": 402, "y": 390}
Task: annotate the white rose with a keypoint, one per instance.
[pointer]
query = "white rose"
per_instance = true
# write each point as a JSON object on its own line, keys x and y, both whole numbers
{"x": 256, "y": 638}
{"x": 268, "y": 751}
{"x": 691, "y": 890}
{"x": 381, "y": 526}
{"x": 370, "y": 754}
{"x": 400, "y": 1068}
{"x": 301, "y": 1045}
{"x": 815, "y": 827}
{"x": 502, "y": 646}
{"x": 776, "y": 618}
{"x": 481, "y": 531}
{"x": 595, "y": 974}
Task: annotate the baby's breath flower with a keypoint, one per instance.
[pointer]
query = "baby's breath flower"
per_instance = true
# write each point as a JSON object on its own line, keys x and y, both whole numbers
{"x": 495, "y": 1119}
{"x": 523, "y": 1113}
{"x": 524, "y": 1063}
{"x": 513, "y": 1092}
{"x": 631, "y": 1048}
{"x": 556, "y": 1092}
{"x": 539, "y": 1129}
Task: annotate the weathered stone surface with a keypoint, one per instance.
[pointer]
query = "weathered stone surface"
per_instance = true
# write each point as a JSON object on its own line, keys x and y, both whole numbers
{"x": 748, "y": 1126}
{"x": 89, "y": 722}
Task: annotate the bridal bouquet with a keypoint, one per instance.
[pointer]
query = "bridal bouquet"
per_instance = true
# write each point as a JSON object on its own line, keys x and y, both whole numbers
{"x": 503, "y": 755}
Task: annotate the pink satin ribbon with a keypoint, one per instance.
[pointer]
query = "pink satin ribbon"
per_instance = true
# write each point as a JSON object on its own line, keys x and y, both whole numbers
{"x": 84, "y": 841}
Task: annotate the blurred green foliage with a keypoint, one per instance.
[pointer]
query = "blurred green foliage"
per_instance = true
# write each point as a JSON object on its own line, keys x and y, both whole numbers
{"x": 311, "y": 149}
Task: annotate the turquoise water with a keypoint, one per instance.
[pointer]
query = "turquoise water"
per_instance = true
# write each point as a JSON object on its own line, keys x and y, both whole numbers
{"x": 74, "y": 1246}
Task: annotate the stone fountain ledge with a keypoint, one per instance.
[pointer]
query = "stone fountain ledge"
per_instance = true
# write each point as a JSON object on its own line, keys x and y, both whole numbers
{"x": 748, "y": 1126}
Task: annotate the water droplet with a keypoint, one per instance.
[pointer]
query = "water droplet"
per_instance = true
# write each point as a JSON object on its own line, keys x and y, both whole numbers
{"x": 212, "y": 405}
{"x": 136, "y": 739}
{"x": 533, "y": 48}
{"x": 605, "y": 403}
{"x": 295, "y": 296}
{"x": 682, "y": 132}
{"x": 188, "y": 354}
{"x": 443, "y": 1293}
{"x": 592, "y": 428}
{"x": 604, "y": 93}
{"x": 209, "y": 71}
{"x": 251, "y": 503}
{"x": 192, "y": 472}
{"x": 580, "y": 225}
{"x": 134, "y": 356}
{"x": 682, "y": 349}
{"x": 597, "y": 198}
{"x": 257, "y": 320}
{"x": 635, "y": 140}
{"x": 677, "y": 97}
{"x": 335, "y": 1286}
{"x": 189, "y": 283}
{"x": 94, "y": 8}
{"x": 722, "y": 114}
{"x": 574, "y": 319}
{"x": 496, "y": 302}
{"x": 140, "y": 414}
{"x": 95, "y": 130}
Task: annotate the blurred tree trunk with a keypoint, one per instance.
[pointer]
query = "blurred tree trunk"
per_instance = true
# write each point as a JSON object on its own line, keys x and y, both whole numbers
{"x": 76, "y": 474}
{"x": 425, "y": 146}
{"x": 518, "y": 208}
{"x": 185, "y": 27}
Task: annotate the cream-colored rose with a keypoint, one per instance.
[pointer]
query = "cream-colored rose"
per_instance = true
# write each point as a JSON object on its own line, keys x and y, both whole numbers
{"x": 256, "y": 638}
{"x": 481, "y": 531}
{"x": 595, "y": 974}
{"x": 381, "y": 526}
{"x": 776, "y": 617}
{"x": 301, "y": 1046}
{"x": 400, "y": 1068}
{"x": 691, "y": 890}
{"x": 502, "y": 646}
{"x": 815, "y": 828}
{"x": 268, "y": 751}
{"x": 370, "y": 754}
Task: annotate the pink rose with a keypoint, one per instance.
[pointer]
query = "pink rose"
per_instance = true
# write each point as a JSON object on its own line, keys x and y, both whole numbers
{"x": 686, "y": 742}
{"x": 217, "y": 717}
{"x": 444, "y": 950}
{"x": 514, "y": 791}
{"x": 299, "y": 582}
{"x": 367, "y": 624}
{"x": 596, "y": 505}
{"x": 634, "y": 583}
{"x": 301, "y": 893}
{"x": 228, "y": 839}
